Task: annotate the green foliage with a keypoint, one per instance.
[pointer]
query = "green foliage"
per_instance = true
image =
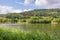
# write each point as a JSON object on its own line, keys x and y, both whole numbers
{"x": 56, "y": 20}
{"x": 35, "y": 16}
{"x": 3, "y": 20}
{"x": 14, "y": 34}
{"x": 39, "y": 20}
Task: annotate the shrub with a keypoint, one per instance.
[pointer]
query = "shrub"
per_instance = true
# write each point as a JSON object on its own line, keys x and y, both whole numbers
{"x": 14, "y": 34}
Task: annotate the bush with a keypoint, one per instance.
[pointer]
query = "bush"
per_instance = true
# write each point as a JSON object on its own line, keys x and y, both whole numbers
{"x": 38, "y": 21}
{"x": 14, "y": 34}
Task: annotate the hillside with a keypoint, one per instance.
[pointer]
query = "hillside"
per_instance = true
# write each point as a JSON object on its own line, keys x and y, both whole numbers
{"x": 34, "y": 16}
{"x": 37, "y": 12}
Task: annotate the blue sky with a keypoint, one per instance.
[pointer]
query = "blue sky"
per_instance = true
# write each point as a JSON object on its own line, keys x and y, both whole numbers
{"x": 26, "y": 5}
{"x": 16, "y": 4}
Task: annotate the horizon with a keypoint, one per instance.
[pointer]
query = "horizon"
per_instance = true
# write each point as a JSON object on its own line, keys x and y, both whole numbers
{"x": 18, "y": 6}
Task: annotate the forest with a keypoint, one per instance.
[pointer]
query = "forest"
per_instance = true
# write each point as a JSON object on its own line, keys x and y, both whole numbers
{"x": 33, "y": 16}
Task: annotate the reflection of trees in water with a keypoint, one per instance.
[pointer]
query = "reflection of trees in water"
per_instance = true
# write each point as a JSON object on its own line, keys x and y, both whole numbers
{"x": 53, "y": 27}
{"x": 32, "y": 27}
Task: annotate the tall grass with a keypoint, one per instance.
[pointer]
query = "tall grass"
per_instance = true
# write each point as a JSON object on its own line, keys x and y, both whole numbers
{"x": 15, "y": 34}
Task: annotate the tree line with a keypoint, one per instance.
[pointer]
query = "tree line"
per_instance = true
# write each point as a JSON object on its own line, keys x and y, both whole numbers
{"x": 34, "y": 16}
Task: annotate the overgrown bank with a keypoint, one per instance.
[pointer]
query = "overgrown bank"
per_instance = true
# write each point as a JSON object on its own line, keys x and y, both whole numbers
{"x": 14, "y": 34}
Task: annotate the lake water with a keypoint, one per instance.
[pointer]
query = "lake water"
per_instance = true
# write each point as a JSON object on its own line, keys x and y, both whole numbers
{"x": 30, "y": 27}
{"x": 54, "y": 28}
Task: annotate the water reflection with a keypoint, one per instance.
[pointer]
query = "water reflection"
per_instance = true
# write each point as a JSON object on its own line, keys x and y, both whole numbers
{"x": 28, "y": 27}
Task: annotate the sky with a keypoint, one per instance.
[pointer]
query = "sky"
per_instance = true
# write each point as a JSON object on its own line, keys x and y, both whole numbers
{"x": 17, "y": 6}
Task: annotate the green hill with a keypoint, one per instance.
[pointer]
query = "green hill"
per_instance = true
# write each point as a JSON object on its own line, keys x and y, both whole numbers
{"x": 36, "y": 12}
{"x": 35, "y": 16}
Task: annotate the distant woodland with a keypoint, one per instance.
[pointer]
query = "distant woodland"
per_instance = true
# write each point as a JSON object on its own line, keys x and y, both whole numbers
{"x": 33, "y": 16}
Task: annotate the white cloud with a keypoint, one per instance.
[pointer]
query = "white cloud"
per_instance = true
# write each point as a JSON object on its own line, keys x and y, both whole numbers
{"x": 7, "y": 9}
{"x": 40, "y": 2}
{"x": 27, "y": 1}
{"x": 27, "y": 9}
{"x": 53, "y": 1}
{"x": 48, "y": 3}
{"x": 53, "y": 4}
{"x": 17, "y": 11}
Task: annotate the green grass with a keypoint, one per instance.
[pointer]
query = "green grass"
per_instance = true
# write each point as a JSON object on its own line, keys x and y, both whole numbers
{"x": 15, "y": 34}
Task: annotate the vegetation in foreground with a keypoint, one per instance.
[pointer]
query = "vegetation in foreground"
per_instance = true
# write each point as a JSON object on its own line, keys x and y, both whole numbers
{"x": 15, "y": 34}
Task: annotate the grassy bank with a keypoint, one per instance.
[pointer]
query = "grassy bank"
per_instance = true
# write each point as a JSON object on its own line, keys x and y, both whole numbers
{"x": 15, "y": 34}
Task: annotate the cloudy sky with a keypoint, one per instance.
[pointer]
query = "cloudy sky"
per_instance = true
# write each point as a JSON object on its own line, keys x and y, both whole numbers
{"x": 11, "y": 6}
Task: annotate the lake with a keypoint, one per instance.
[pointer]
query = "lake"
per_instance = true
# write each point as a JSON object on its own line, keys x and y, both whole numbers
{"x": 30, "y": 27}
{"x": 53, "y": 28}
